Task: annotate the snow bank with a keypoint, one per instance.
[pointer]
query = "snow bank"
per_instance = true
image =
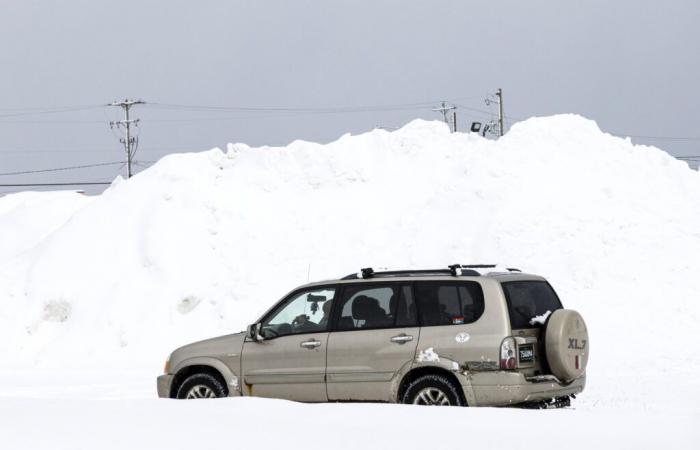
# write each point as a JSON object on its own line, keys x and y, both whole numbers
{"x": 244, "y": 422}
{"x": 201, "y": 243}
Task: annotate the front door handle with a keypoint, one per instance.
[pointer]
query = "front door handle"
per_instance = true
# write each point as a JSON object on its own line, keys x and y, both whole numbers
{"x": 310, "y": 344}
{"x": 402, "y": 338}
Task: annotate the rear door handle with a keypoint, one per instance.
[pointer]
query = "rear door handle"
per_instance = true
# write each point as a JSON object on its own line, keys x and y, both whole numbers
{"x": 310, "y": 344}
{"x": 401, "y": 338}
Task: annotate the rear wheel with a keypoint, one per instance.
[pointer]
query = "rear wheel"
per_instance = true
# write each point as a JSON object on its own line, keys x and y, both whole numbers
{"x": 201, "y": 385}
{"x": 432, "y": 390}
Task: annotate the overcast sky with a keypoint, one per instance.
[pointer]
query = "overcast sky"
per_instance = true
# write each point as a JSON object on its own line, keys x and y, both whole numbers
{"x": 633, "y": 66}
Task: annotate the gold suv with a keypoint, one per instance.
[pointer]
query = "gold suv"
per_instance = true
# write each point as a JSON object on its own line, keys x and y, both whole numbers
{"x": 459, "y": 336}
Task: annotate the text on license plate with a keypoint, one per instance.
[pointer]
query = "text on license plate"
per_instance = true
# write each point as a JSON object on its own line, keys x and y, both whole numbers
{"x": 526, "y": 353}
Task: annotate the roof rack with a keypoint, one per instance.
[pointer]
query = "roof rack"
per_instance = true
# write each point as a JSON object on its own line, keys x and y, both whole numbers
{"x": 368, "y": 272}
{"x": 488, "y": 266}
{"x": 455, "y": 270}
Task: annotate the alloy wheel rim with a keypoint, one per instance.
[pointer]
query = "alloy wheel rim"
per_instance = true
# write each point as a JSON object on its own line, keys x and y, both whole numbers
{"x": 200, "y": 391}
{"x": 432, "y": 397}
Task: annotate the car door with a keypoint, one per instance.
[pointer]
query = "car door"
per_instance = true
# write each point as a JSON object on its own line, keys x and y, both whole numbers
{"x": 456, "y": 325}
{"x": 290, "y": 361}
{"x": 374, "y": 336}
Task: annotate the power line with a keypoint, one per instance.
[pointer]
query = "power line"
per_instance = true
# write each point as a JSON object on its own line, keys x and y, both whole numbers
{"x": 79, "y": 183}
{"x": 56, "y": 169}
{"x": 48, "y": 108}
{"x": 668, "y": 138}
{"x": 326, "y": 109}
{"x": 290, "y": 110}
{"x": 91, "y": 149}
{"x": 52, "y": 111}
{"x": 50, "y": 121}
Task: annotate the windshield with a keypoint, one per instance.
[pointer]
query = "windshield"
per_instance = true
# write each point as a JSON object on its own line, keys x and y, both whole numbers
{"x": 527, "y": 300}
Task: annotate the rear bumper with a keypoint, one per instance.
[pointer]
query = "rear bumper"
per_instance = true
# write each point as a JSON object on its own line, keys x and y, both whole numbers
{"x": 501, "y": 388}
{"x": 164, "y": 383}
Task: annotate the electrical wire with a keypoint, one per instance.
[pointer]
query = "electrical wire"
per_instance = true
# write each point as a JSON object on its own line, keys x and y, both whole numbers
{"x": 56, "y": 169}
{"x": 51, "y": 110}
{"x": 79, "y": 183}
{"x": 51, "y": 121}
{"x": 320, "y": 110}
{"x": 667, "y": 138}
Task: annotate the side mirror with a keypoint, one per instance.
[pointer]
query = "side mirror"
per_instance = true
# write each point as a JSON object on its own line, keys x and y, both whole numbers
{"x": 476, "y": 127}
{"x": 253, "y": 332}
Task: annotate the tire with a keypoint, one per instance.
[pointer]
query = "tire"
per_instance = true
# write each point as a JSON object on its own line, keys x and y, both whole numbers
{"x": 201, "y": 385}
{"x": 433, "y": 390}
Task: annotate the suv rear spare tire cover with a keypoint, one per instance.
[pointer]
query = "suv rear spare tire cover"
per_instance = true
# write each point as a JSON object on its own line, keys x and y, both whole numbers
{"x": 566, "y": 344}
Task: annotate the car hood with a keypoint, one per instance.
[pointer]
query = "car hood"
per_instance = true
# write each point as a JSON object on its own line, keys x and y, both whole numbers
{"x": 222, "y": 347}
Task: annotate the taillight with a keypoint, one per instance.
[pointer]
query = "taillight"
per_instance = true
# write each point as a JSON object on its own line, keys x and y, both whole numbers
{"x": 508, "y": 354}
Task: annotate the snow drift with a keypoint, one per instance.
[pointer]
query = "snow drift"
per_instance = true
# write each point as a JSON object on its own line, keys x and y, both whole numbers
{"x": 201, "y": 243}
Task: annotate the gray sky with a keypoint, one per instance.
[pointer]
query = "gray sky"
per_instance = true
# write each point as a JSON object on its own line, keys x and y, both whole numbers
{"x": 633, "y": 66}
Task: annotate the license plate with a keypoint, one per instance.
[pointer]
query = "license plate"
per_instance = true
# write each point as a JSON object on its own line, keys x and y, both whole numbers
{"x": 526, "y": 353}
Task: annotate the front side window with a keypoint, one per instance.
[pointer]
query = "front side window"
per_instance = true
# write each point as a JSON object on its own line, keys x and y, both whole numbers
{"x": 449, "y": 304}
{"x": 306, "y": 312}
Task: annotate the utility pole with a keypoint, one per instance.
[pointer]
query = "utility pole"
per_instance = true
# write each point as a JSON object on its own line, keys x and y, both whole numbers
{"x": 130, "y": 143}
{"x": 488, "y": 101}
{"x": 444, "y": 109}
{"x": 499, "y": 94}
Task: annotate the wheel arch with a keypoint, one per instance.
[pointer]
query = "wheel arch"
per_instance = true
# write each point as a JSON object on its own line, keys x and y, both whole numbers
{"x": 209, "y": 366}
{"x": 422, "y": 370}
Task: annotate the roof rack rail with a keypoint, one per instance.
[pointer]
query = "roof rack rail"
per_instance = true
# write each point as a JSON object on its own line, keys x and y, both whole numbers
{"x": 455, "y": 270}
{"x": 488, "y": 266}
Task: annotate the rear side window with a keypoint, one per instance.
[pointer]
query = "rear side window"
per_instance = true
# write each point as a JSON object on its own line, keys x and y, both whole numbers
{"x": 527, "y": 300}
{"x": 376, "y": 306}
{"x": 368, "y": 307}
{"x": 449, "y": 304}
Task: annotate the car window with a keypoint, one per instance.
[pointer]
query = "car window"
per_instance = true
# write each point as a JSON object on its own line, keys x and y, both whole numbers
{"x": 472, "y": 298}
{"x": 306, "y": 312}
{"x": 364, "y": 307}
{"x": 449, "y": 304}
{"x": 406, "y": 314}
{"x": 527, "y": 300}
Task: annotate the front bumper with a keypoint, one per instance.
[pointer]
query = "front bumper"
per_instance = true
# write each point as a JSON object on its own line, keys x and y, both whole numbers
{"x": 164, "y": 382}
{"x": 501, "y": 388}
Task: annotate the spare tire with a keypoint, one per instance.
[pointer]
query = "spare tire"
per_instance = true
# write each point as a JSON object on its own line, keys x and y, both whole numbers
{"x": 566, "y": 344}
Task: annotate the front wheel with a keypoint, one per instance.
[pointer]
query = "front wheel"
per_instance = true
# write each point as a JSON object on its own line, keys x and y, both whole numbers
{"x": 432, "y": 390}
{"x": 201, "y": 385}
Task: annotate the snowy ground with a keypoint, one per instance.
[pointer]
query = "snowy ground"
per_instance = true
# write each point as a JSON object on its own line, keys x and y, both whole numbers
{"x": 76, "y": 411}
{"x": 96, "y": 291}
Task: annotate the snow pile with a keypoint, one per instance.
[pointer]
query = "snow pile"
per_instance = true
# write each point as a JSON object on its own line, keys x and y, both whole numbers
{"x": 201, "y": 243}
{"x": 29, "y": 217}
